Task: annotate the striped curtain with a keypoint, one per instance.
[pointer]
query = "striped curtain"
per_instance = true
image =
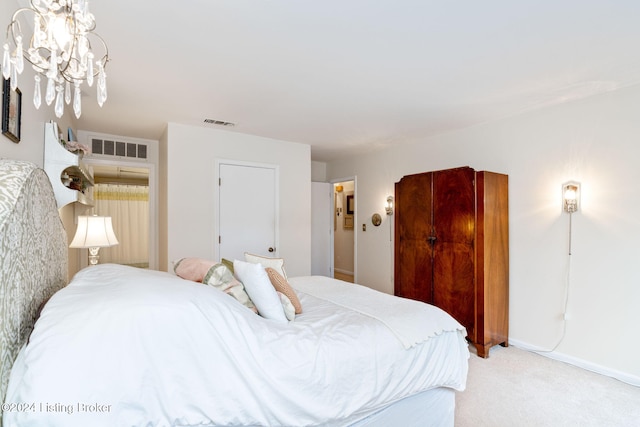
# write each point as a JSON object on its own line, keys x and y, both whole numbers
{"x": 128, "y": 206}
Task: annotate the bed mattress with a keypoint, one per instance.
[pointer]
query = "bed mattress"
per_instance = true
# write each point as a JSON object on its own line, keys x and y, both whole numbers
{"x": 124, "y": 346}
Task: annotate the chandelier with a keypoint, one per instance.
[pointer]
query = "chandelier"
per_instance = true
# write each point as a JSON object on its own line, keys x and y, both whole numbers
{"x": 59, "y": 50}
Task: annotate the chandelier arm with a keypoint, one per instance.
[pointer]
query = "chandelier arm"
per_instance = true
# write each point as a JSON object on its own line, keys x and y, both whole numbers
{"x": 104, "y": 60}
{"x": 74, "y": 39}
{"x": 105, "y": 57}
{"x": 12, "y": 32}
{"x": 39, "y": 8}
{"x": 13, "y": 22}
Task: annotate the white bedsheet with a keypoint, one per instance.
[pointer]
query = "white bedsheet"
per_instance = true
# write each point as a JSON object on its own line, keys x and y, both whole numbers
{"x": 407, "y": 319}
{"x": 122, "y": 346}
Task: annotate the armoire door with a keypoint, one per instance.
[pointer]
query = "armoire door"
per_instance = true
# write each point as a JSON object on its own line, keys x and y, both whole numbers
{"x": 454, "y": 231}
{"x": 413, "y": 228}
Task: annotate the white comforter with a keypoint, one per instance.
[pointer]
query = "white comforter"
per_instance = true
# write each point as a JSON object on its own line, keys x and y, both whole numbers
{"x": 126, "y": 347}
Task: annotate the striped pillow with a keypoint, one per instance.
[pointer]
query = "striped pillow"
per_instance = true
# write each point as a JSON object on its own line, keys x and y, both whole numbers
{"x": 221, "y": 278}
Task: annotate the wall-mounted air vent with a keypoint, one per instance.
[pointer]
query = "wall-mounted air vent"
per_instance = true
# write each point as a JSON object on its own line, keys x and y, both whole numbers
{"x": 218, "y": 122}
{"x": 106, "y": 147}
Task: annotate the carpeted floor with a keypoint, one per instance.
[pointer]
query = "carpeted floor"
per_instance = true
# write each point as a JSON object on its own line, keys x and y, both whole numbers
{"x": 514, "y": 388}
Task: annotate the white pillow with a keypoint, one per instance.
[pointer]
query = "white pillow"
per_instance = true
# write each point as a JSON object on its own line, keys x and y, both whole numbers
{"x": 257, "y": 284}
{"x": 276, "y": 263}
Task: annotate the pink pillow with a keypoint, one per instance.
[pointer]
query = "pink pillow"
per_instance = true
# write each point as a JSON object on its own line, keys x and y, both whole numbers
{"x": 193, "y": 268}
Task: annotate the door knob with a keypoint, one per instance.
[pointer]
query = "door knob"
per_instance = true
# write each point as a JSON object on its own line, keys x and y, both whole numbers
{"x": 272, "y": 249}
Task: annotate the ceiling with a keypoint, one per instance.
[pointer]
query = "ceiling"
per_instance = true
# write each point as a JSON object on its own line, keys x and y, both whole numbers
{"x": 350, "y": 76}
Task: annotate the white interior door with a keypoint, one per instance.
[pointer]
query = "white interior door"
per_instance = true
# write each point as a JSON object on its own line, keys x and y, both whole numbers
{"x": 248, "y": 217}
{"x": 321, "y": 193}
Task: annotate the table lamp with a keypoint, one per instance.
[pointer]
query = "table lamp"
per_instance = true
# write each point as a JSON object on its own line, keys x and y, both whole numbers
{"x": 94, "y": 232}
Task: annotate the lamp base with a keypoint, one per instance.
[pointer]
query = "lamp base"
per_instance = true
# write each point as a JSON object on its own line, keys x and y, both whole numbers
{"x": 93, "y": 256}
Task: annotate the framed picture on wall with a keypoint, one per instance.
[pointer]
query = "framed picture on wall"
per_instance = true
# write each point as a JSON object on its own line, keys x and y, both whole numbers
{"x": 11, "y": 111}
{"x": 350, "y": 208}
{"x": 351, "y": 204}
{"x": 348, "y": 222}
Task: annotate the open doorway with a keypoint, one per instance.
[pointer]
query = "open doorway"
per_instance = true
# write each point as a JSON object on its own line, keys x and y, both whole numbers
{"x": 344, "y": 219}
{"x": 126, "y": 192}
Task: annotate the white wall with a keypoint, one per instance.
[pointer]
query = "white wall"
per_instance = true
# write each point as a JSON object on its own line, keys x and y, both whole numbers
{"x": 191, "y": 153}
{"x": 318, "y": 171}
{"x": 594, "y": 141}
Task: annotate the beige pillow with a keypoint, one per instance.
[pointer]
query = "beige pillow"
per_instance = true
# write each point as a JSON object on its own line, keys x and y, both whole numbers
{"x": 275, "y": 263}
{"x": 282, "y": 286}
{"x": 192, "y": 268}
{"x": 220, "y": 277}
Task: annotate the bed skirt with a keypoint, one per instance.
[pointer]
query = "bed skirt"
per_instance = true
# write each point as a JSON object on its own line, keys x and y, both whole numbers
{"x": 431, "y": 408}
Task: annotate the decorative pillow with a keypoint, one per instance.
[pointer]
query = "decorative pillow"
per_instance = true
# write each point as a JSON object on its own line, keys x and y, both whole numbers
{"x": 276, "y": 263}
{"x": 192, "y": 268}
{"x": 289, "y": 310}
{"x": 260, "y": 290}
{"x": 220, "y": 277}
{"x": 281, "y": 285}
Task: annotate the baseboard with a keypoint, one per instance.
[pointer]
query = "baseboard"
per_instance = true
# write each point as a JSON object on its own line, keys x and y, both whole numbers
{"x": 580, "y": 363}
{"x": 338, "y": 270}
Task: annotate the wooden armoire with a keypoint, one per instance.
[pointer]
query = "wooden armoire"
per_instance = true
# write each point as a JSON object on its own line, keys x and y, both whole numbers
{"x": 452, "y": 248}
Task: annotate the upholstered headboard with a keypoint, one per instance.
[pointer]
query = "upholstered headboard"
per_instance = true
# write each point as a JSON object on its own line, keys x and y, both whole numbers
{"x": 33, "y": 255}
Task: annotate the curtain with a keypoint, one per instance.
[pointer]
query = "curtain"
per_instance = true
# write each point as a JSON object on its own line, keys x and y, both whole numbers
{"x": 128, "y": 206}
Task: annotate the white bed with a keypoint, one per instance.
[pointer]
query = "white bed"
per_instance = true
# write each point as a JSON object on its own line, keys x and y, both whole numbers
{"x": 121, "y": 346}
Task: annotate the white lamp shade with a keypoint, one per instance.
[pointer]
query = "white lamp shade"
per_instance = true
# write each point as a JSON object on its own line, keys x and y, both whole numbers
{"x": 94, "y": 232}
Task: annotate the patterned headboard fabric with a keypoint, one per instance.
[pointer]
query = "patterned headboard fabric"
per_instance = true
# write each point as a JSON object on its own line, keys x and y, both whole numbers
{"x": 33, "y": 255}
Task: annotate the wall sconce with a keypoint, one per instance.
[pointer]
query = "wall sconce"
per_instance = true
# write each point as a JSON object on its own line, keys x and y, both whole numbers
{"x": 389, "y": 207}
{"x": 339, "y": 188}
{"x": 571, "y": 196}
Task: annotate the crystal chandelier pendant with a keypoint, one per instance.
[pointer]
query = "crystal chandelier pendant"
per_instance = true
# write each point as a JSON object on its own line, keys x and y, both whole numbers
{"x": 102, "y": 85}
{"x": 52, "y": 72}
{"x": 90, "y": 69}
{"x": 37, "y": 96}
{"x": 50, "y": 95}
{"x": 59, "y": 108}
{"x": 63, "y": 47}
{"x": 67, "y": 92}
{"x": 19, "y": 64}
{"x": 6, "y": 62}
{"x": 14, "y": 78}
{"x": 77, "y": 103}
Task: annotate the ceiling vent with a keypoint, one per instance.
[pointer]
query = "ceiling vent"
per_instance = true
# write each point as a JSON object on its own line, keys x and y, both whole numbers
{"x": 218, "y": 122}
